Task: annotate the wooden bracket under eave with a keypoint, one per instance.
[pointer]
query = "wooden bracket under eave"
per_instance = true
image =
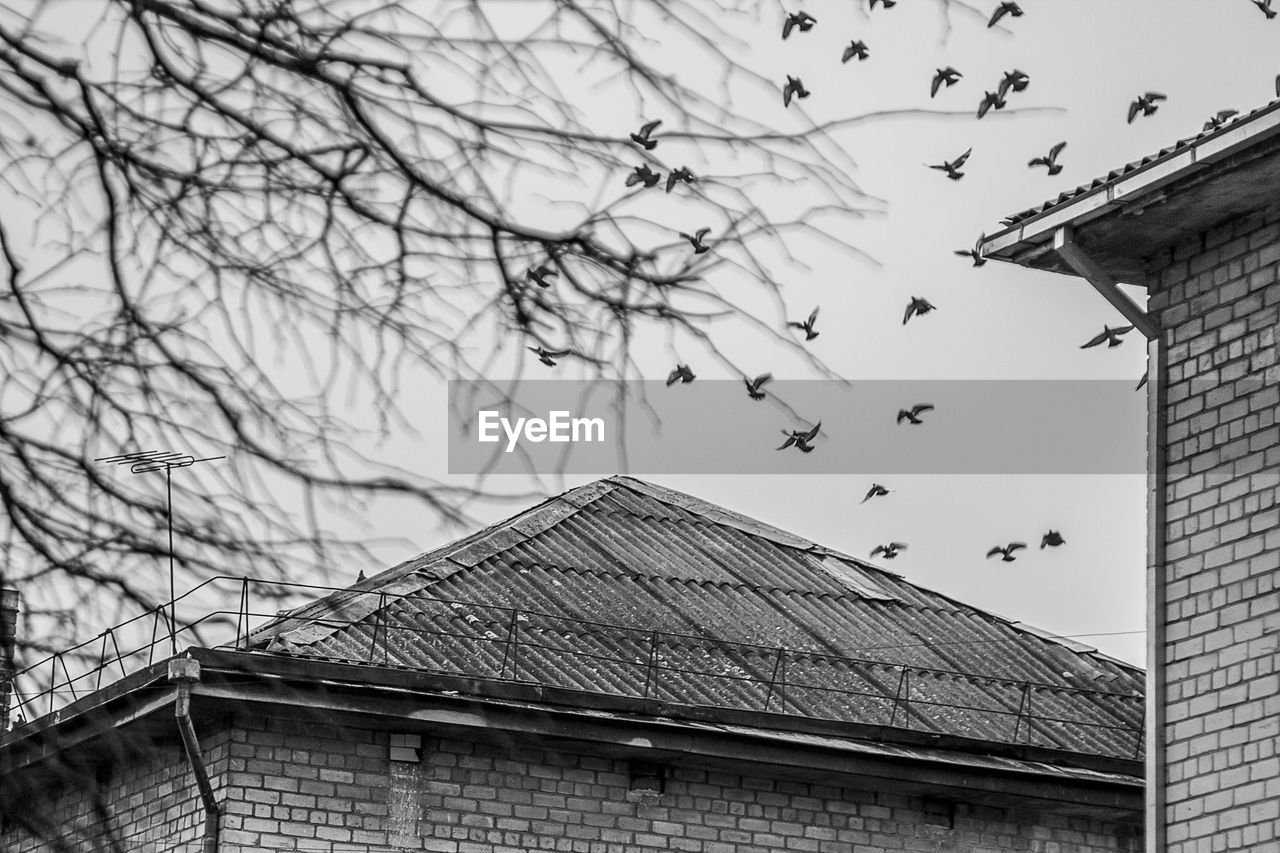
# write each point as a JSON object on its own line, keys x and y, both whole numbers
{"x": 1069, "y": 250}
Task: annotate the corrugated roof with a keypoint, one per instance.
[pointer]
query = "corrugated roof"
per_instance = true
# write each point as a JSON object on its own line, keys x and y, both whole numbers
{"x": 625, "y": 588}
{"x": 1099, "y": 184}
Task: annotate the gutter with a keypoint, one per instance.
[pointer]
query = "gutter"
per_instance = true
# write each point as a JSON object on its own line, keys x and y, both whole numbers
{"x": 1157, "y": 503}
{"x": 184, "y": 672}
{"x": 1124, "y": 190}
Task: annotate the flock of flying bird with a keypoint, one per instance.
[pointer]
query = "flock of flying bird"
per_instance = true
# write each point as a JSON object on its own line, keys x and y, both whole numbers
{"x": 1012, "y": 82}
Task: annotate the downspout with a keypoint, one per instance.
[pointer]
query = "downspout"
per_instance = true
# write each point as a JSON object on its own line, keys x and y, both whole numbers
{"x": 184, "y": 672}
{"x": 1155, "y": 820}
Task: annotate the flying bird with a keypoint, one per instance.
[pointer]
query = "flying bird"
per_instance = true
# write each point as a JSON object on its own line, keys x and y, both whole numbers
{"x": 1005, "y": 8}
{"x": 855, "y": 48}
{"x": 1007, "y": 551}
{"x": 913, "y": 414}
{"x": 1053, "y": 539}
{"x": 890, "y": 551}
{"x": 876, "y": 491}
{"x": 947, "y": 76}
{"x": 952, "y": 167}
{"x": 1051, "y": 160}
{"x": 975, "y": 252}
{"x": 794, "y": 87}
{"x": 888, "y": 4}
{"x": 681, "y": 174}
{"x": 1146, "y": 104}
{"x": 1013, "y": 81}
{"x": 682, "y": 374}
{"x": 695, "y": 240}
{"x": 539, "y": 275}
{"x": 803, "y": 20}
{"x": 548, "y": 356}
{"x": 807, "y": 325}
{"x": 643, "y": 137}
{"x": 992, "y": 100}
{"x": 800, "y": 438}
{"x": 1108, "y": 334}
{"x": 1143, "y": 380}
{"x": 917, "y": 306}
{"x": 1265, "y": 6}
{"x": 642, "y": 174}
{"x": 1221, "y": 117}
{"x": 754, "y": 385}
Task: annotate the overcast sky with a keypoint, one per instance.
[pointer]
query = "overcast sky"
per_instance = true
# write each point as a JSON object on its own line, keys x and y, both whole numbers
{"x": 1087, "y": 61}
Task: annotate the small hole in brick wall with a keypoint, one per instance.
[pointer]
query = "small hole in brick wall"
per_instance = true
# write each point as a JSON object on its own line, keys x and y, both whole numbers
{"x": 406, "y": 747}
{"x": 939, "y": 813}
{"x": 648, "y": 782}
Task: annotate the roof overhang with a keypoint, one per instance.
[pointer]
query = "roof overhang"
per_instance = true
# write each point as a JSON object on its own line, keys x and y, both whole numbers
{"x": 129, "y": 715}
{"x": 1123, "y": 224}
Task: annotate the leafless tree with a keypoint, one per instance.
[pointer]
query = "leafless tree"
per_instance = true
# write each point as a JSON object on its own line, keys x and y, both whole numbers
{"x": 244, "y": 227}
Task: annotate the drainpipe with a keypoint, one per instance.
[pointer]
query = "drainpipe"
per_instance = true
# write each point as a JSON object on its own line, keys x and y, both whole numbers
{"x": 184, "y": 672}
{"x": 9, "y": 602}
{"x": 1157, "y": 616}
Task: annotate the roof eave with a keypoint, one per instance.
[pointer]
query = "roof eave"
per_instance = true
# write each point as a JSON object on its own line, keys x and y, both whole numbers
{"x": 1030, "y": 241}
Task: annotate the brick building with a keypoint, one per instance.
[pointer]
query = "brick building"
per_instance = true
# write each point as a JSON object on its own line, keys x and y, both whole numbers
{"x": 1198, "y": 225}
{"x": 620, "y": 668}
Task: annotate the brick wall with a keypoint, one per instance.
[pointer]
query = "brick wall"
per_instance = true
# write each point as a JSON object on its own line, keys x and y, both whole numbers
{"x": 145, "y": 805}
{"x": 303, "y": 785}
{"x": 1218, "y": 297}
{"x": 335, "y": 788}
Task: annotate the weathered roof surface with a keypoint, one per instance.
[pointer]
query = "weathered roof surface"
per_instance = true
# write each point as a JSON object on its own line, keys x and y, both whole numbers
{"x": 1136, "y": 191}
{"x": 624, "y": 588}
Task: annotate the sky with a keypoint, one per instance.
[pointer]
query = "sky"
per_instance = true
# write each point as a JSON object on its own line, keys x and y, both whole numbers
{"x": 1087, "y": 61}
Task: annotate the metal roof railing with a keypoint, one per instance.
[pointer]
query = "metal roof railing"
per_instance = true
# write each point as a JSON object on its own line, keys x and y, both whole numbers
{"x": 523, "y": 646}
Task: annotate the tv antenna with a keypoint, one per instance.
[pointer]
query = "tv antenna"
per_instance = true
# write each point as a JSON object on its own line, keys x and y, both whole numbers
{"x": 143, "y": 462}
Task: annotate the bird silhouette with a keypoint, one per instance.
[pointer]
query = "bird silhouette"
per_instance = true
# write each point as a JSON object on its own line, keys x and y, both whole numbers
{"x": 695, "y": 240}
{"x": 1007, "y": 551}
{"x": 975, "y": 252}
{"x": 681, "y": 374}
{"x": 1221, "y": 117}
{"x": 948, "y": 76}
{"x": 754, "y": 385}
{"x": 1108, "y": 334}
{"x": 888, "y": 4}
{"x": 807, "y": 325}
{"x": 360, "y": 576}
{"x": 1143, "y": 380}
{"x": 1146, "y": 104}
{"x": 855, "y": 48}
{"x": 794, "y": 87}
{"x": 1265, "y": 6}
{"x": 547, "y": 356}
{"x": 876, "y": 491}
{"x": 539, "y": 275}
{"x": 912, "y": 415}
{"x": 643, "y": 137}
{"x": 678, "y": 175}
{"x": 802, "y": 19}
{"x": 889, "y": 551}
{"x": 642, "y": 174}
{"x": 917, "y": 306}
{"x": 800, "y": 438}
{"x": 1005, "y": 8}
{"x": 952, "y": 167}
{"x": 1013, "y": 81}
{"x": 991, "y": 100}
{"x": 1051, "y": 160}
{"x": 1052, "y": 539}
